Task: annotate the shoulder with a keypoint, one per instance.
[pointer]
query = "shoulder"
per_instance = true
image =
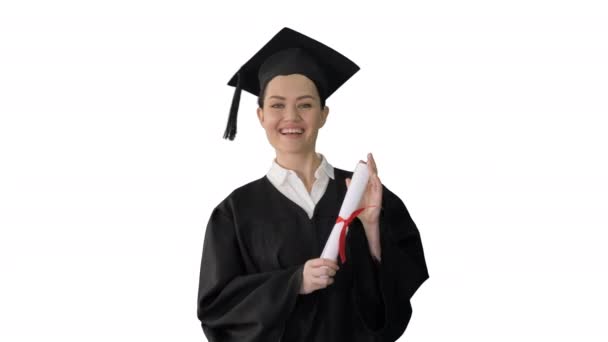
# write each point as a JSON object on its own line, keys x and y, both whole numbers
{"x": 243, "y": 195}
{"x": 251, "y": 188}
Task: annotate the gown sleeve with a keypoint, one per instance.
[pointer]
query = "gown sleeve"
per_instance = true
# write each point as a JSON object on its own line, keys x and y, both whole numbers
{"x": 233, "y": 305}
{"x": 382, "y": 290}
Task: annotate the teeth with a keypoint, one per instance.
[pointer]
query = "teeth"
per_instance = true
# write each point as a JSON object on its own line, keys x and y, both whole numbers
{"x": 292, "y": 131}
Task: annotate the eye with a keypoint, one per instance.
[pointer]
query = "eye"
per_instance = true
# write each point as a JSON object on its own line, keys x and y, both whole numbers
{"x": 277, "y": 105}
{"x": 305, "y": 105}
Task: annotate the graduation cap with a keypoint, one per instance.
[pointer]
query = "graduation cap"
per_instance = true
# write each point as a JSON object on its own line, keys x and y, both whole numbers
{"x": 289, "y": 52}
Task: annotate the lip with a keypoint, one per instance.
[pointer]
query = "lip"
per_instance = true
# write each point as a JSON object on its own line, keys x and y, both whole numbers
{"x": 292, "y": 136}
{"x": 292, "y": 127}
{"x": 288, "y": 127}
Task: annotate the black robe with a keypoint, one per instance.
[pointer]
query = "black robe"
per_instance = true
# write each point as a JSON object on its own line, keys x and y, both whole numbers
{"x": 256, "y": 243}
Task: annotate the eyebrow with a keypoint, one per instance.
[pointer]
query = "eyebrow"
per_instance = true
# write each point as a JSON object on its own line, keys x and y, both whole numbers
{"x": 299, "y": 98}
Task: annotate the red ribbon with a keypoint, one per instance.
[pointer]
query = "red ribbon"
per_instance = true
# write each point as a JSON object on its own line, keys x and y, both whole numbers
{"x": 346, "y": 221}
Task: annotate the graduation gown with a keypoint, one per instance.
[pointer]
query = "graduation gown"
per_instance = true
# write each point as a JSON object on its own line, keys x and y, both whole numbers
{"x": 256, "y": 243}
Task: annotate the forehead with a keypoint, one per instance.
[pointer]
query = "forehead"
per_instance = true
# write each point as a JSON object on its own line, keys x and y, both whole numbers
{"x": 291, "y": 85}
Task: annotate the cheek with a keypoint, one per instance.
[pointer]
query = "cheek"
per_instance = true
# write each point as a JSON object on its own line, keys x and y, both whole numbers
{"x": 314, "y": 120}
{"x": 270, "y": 123}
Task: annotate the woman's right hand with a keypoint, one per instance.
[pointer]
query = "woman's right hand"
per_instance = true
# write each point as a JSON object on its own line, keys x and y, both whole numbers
{"x": 318, "y": 274}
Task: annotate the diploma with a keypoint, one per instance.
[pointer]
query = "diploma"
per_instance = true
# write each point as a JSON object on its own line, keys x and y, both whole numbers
{"x": 348, "y": 211}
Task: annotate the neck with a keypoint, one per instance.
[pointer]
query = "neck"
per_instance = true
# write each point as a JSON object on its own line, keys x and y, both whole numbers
{"x": 304, "y": 165}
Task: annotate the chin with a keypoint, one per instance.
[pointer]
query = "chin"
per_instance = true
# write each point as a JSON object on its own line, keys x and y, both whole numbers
{"x": 282, "y": 146}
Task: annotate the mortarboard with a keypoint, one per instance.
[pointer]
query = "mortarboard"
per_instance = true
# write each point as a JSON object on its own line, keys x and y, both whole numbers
{"x": 289, "y": 52}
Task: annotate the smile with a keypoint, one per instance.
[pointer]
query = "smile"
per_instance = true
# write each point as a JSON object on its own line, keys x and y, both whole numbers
{"x": 287, "y": 131}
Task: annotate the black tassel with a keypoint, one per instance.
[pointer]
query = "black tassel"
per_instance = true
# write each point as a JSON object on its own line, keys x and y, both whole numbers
{"x": 230, "y": 131}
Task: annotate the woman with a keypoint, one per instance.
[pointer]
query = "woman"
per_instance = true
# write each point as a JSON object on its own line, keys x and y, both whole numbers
{"x": 261, "y": 276}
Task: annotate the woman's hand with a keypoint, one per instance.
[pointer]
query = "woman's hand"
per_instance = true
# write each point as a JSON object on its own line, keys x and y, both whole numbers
{"x": 318, "y": 274}
{"x": 372, "y": 198}
{"x": 372, "y": 202}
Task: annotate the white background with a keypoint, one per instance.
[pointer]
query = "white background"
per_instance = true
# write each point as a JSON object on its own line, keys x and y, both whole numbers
{"x": 485, "y": 117}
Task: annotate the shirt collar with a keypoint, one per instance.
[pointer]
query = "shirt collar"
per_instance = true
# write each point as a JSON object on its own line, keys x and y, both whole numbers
{"x": 324, "y": 167}
{"x": 279, "y": 174}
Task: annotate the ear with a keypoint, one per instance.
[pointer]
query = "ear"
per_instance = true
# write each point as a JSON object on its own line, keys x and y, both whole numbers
{"x": 260, "y": 115}
{"x": 324, "y": 114}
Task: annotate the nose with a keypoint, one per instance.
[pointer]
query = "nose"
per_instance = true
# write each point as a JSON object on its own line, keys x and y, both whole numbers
{"x": 291, "y": 113}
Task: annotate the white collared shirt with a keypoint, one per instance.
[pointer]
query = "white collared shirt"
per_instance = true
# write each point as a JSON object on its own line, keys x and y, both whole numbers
{"x": 290, "y": 185}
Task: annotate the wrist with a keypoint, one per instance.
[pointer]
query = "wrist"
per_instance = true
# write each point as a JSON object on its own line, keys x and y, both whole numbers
{"x": 371, "y": 225}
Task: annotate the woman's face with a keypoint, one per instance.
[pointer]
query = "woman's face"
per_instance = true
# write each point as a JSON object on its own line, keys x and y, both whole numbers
{"x": 292, "y": 114}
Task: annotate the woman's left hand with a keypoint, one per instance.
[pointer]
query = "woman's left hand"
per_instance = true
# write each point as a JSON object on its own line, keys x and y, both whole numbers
{"x": 372, "y": 198}
{"x": 372, "y": 202}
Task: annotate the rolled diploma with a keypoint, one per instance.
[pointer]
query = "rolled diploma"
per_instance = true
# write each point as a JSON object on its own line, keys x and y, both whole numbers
{"x": 355, "y": 192}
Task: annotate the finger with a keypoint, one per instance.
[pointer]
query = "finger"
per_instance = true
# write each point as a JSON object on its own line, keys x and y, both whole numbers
{"x": 325, "y": 276}
{"x": 319, "y": 271}
{"x": 372, "y": 163}
{"x": 375, "y": 180}
{"x": 322, "y": 282}
{"x": 323, "y": 271}
{"x": 331, "y": 263}
{"x": 347, "y": 182}
{"x": 370, "y": 169}
{"x": 324, "y": 262}
{"x": 316, "y": 262}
